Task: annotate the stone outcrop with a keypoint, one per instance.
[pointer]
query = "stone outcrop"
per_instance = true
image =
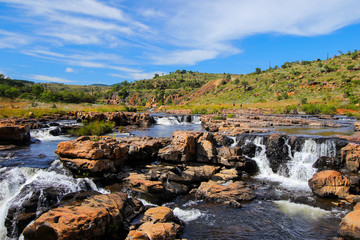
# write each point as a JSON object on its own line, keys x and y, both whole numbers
{"x": 229, "y": 193}
{"x": 182, "y": 147}
{"x": 350, "y": 155}
{"x": 159, "y": 223}
{"x": 102, "y": 216}
{"x": 254, "y": 123}
{"x": 350, "y": 225}
{"x": 330, "y": 183}
{"x": 87, "y": 154}
{"x": 119, "y": 118}
{"x": 14, "y": 134}
{"x": 96, "y": 155}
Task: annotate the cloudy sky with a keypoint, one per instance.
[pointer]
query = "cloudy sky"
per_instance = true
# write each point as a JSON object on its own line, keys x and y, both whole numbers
{"x": 109, "y": 41}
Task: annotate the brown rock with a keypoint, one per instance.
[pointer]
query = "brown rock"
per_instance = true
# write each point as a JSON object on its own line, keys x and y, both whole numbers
{"x": 215, "y": 192}
{"x": 14, "y": 134}
{"x": 158, "y": 214}
{"x": 182, "y": 147}
{"x": 350, "y": 225}
{"x": 226, "y": 175}
{"x": 357, "y": 126}
{"x": 330, "y": 183}
{"x": 159, "y": 224}
{"x": 87, "y": 154}
{"x": 350, "y": 154}
{"x": 198, "y": 173}
{"x": 205, "y": 148}
{"x": 141, "y": 183}
{"x": 231, "y": 157}
{"x": 90, "y": 219}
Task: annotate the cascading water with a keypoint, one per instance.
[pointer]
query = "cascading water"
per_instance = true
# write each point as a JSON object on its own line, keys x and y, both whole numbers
{"x": 296, "y": 172}
{"x": 177, "y": 120}
{"x": 19, "y": 185}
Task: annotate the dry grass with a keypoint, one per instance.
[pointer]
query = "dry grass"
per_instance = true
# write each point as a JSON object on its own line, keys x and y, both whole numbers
{"x": 23, "y": 108}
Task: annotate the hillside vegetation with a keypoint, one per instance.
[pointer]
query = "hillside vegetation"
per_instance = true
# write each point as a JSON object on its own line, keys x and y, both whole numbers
{"x": 320, "y": 86}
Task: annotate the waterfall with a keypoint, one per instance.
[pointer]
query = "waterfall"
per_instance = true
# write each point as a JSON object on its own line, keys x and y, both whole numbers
{"x": 19, "y": 185}
{"x": 296, "y": 172}
{"x": 177, "y": 120}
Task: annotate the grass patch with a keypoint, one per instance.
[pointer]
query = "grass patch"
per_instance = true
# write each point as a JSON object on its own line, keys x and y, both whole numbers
{"x": 97, "y": 128}
{"x": 313, "y": 109}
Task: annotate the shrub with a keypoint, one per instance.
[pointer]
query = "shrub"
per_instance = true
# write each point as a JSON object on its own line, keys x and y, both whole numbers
{"x": 231, "y": 115}
{"x": 199, "y": 111}
{"x": 219, "y": 117}
{"x": 93, "y": 128}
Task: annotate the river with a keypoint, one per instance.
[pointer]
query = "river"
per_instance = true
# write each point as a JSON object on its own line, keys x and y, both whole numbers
{"x": 284, "y": 207}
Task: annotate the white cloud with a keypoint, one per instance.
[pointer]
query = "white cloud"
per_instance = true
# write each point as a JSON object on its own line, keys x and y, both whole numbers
{"x": 12, "y": 40}
{"x": 138, "y": 75}
{"x": 165, "y": 32}
{"x": 69, "y": 70}
{"x": 187, "y": 57}
{"x": 49, "y": 79}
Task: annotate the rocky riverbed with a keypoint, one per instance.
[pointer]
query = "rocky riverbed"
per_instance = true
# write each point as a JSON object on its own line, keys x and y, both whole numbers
{"x": 235, "y": 164}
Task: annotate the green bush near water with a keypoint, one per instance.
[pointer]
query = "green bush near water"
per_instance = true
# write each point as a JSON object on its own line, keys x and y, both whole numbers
{"x": 312, "y": 109}
{"x": 93, "y": 128}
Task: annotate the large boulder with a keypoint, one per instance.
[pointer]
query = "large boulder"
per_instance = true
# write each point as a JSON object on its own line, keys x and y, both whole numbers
{"x": 159, "y": 223}
{"x": 102, "y": 216}
{"x": 92, "y": 155}
{"x": 14, "y": 134}
{"x": 182, "y": 147}
{"x": 225, "y": 193}
{"x": 96, "y": 155}
{"x": 330, "y": 183}
{"x": 205, "y": 148}
{"x": 350, "y": 225}
{"x": 350, "y": 155}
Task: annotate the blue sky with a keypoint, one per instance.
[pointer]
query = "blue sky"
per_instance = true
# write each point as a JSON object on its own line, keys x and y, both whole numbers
{"x": 109, "y": 41}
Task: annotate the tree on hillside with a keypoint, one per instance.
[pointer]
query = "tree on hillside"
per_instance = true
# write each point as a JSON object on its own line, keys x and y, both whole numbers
{"x": 258, "y": 70}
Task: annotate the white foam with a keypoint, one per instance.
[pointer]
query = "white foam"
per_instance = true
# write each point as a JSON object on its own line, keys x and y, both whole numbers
{"x": 300, "y": 164}
{"x": 296, "y": 209}
{"x": 43, "y": 134}
{"x": 146, "y": 203}
{"x": 15, "y": 180}
{"x": 187, "y": 215}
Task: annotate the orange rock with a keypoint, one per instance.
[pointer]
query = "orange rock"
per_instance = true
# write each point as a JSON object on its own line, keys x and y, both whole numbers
{"x": 158, "y": 214}
{"x": 90, "y": 219}
{"x": 350, "y": 225}
{"x": 350, "y": 154}
{"x": 216, "y": 192}
{"x": 139, "y": 182}
{"x": 330, "y": 183}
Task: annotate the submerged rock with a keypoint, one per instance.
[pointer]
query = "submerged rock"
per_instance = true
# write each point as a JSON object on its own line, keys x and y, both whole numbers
{"x": 105, "y": 216}
{"x": 330, "y": 183}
